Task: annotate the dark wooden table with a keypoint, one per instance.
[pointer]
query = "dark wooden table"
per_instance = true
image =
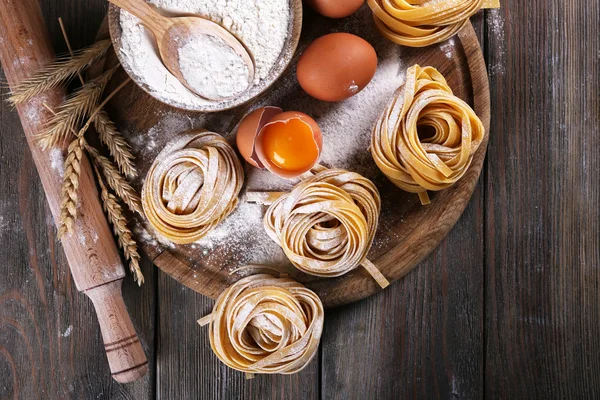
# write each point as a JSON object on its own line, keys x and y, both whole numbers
{"x": 508, "y": 306}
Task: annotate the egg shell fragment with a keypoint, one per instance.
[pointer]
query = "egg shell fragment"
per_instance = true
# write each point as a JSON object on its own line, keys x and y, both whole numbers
{"x": 248, "y": 131}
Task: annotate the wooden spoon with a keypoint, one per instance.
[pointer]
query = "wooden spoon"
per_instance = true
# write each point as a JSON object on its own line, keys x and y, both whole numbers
{"x": 173, "y": 33}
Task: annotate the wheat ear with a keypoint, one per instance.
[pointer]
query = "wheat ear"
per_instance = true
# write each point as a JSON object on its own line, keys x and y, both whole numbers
{"x": 115, "y": 181}
{"x": 119, "y": 223}
{"x": 70, "y": 187}
{"x": 58, "y": 72}
{"x": 74, "y": 110}
{"x": 118, "y": 147}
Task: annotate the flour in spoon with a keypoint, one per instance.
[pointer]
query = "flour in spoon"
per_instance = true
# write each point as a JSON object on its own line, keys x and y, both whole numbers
{"x": 212, "y": 68}
{"x": 262, "y": 25}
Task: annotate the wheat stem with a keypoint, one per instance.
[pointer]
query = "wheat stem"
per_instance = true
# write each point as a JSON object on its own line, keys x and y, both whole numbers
{"x": 104, "y": 102}
{"x": 58, "y": 72}
{"x": 74, "y": 109}
{"x": 68, "y": 43}
{"x": 119, "y": 223}
{"x": 107, "y": 131}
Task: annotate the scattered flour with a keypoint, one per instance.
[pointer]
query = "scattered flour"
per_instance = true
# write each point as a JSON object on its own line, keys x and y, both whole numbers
{"x": 448, "y": 47}
{"x": 68, "y": 331}
{"x": 346, "y": 125}
{"x": 144, "y": 236}
{"x": 150, "y": 142}
{"x": 496, "y": 26}
{"x": 240, "y": 239}
{"x": 252, "y": 21}
{"x": 57, "y": 160}
{"x": 212, "y": 68}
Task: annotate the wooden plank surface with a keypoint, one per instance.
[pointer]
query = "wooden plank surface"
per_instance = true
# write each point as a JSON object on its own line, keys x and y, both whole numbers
{"x": 507, "y": 307}
{"x": 542, "y": 201}
{"x": 187, "y": 367}
{"x": 423, "y": 337}
{"x": 50, "y": 342}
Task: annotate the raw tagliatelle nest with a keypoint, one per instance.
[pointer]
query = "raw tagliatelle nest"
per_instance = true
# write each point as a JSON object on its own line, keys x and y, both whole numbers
{"x": 266, "y": 325}
{"x": 327, "y": 223}
{"x": 434, "y": 162}
{"x": 192, "y": 186}
{"x": 418, "y": 23}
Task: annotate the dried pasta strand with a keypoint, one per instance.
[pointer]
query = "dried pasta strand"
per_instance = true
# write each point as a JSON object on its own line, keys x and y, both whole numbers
{"x": 266, "y": 325}
{"x": 192, "y": 186}
{"x": 419, "y": 23}
{"x": 436, "y": 162}
{"x": 327, "y": 223}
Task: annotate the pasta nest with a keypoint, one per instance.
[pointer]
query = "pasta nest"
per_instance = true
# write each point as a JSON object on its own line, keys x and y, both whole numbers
{"x": 436, "y": 161}
{"x": 420, "y": 23}
{"x": 267, "y": 325}
{"x": 192, "y": 186}
{"x": 327, "y": 223}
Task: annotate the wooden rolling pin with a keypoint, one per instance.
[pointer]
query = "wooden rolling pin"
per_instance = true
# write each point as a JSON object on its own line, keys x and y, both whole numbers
{"x": 91, "y": 251}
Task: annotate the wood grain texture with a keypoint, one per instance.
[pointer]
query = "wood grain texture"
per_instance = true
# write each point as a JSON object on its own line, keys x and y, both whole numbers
{"x": 410, "y": 231}
{"x": 542, "y": 201}
{"x": 189, "y": 369}
{"x": 91, "y": 251}
{"x": 540, "y": 308}
{"x": 423, "y": 337}
{"x": 42, "y": 318}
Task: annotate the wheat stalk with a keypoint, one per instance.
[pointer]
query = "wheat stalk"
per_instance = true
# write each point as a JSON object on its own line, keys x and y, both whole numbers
{"x": 106, "y": 129}
{"x": 74, "y": 109}
{"x": 116, "y": 182}
{"x": 70, "y": 187}
{"x": 58, "y": 72}
{"x": 118, "y": 147}
{"x": 119, "y": 223}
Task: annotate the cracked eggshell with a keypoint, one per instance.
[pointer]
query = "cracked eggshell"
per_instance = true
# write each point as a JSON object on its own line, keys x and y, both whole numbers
{"x": 284, "y": 118}
{"x": 248, "y": 131}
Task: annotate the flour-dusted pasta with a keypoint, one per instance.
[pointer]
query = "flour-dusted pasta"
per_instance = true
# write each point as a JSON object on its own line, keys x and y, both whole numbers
{"x": 266, "y": 325}
{"x": 327, "y": 223}
{"x": 192, "y": 186}
{"x": 419, "y": 23}
{"x": 436, "y": 161}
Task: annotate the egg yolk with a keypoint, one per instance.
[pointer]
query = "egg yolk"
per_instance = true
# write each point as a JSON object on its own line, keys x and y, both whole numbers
{"x": 290, "y": 145}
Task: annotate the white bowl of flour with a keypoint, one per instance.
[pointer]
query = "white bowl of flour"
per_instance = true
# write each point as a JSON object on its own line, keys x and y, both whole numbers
{"x": 270, "y": 30}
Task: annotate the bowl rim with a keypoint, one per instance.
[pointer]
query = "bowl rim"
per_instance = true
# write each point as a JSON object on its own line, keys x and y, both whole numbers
{"x": 283, "y": 61}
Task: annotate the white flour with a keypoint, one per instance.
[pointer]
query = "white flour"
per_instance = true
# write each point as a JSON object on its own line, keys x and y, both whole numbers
{"x": 57, "y": 160}
{"x": 212, "y": 68}
{"x": 262, "y": 25}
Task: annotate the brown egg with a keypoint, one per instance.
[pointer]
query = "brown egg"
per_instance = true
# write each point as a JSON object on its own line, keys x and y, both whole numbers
{"x": 336, "y": 66}
{"x": 248, "y": 130}
{"x": 290, "y": 144}
{"x": 335, "y": 8}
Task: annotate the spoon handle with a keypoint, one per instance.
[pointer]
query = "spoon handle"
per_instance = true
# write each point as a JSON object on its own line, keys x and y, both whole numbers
{"x": 154, "y": 21}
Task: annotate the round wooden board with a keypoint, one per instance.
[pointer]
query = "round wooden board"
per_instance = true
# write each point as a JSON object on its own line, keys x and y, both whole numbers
{"x": 411, "y": 231}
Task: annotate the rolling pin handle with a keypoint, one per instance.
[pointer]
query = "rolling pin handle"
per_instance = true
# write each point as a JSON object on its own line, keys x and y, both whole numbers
{"x": 126, "y": 357}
